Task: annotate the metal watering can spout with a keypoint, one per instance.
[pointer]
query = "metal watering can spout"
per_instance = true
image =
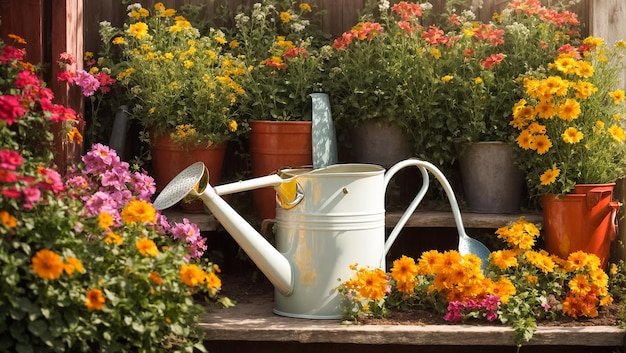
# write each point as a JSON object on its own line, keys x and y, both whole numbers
{"x": 194, "y": 181}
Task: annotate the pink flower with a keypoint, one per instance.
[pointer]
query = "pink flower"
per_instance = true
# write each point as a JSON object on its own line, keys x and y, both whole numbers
{"x": 31, "y": 194}
{"x": 26, "y": 78}
{"x": 406, "y": 10}
{"x": 67, "y": 58}
{"x": 10, "y": 159}
{"x": 87, "y": 82}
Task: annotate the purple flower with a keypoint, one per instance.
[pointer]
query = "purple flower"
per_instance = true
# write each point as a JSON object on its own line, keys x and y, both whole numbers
{"x": 191, "y": 233}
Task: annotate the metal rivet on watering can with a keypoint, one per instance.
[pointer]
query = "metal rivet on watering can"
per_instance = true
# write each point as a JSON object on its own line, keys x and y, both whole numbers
{"x": 345, "y": 191}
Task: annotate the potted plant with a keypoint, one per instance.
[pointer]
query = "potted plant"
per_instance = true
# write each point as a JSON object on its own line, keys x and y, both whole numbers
{"x": 88, "y": 263}
{"x": 285, "y": 59}
{"x": 483, "y": 88}
{"x": 376, "y": 63}
{"x": 570, "y": 123}
{"x": 182, "y": 87}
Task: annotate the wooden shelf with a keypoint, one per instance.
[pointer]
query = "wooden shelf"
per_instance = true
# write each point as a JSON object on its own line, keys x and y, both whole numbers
{"x": 205, "y": 221}
{"x": 444, "y": 219}
{"x": 419, "y": 219}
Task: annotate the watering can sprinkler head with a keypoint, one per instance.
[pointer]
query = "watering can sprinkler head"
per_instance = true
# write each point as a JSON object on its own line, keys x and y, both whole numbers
{"x": 193, "y": 180}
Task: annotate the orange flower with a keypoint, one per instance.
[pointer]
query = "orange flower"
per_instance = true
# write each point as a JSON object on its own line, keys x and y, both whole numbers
{"x": 95, "y": 299}
{"x": 73, "y": 264}
{"x": 147, "y": 247}
{"x": 47, "y": 264}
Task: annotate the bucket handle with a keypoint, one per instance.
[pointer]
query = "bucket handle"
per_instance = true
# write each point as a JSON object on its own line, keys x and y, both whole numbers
{"x": 596, "y": 194}
{"x": 615, "y": 206}
{"x": 416, "y": 201}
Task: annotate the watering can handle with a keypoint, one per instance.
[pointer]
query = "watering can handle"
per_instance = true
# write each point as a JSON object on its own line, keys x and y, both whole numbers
{"x": 424, "y": 168}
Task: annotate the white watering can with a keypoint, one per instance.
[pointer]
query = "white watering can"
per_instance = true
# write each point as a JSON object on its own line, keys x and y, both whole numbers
{"x": 327, "y": 219}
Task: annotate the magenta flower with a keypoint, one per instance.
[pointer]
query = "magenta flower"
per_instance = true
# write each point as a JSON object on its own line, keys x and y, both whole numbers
{"x": 10, "y": 159}
{"x": 10, "y": 109}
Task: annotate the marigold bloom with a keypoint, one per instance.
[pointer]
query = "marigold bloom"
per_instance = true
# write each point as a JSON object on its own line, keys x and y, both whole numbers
{"x": 213, "y": 283}
{"x": 192, "y": 275}
{"x": 617, "y": 133}
{"x": 113, "y": 238}
{"x": 503, "y": 258}
{"x": 524, "y": 140}
{"x": 95, "y": 299}
{"x": 7, "y": 219}
{"x": 47, "y": 264}
{"x": 549, "y": 176}
{"x": 73, "y": 264}
{"x": 147, "y": 247}
{"x": 373, "y": 284}
{"x": 139, "y": 211}
{"x": 155, "y": 278}
{"x": 404, "y": 270}
{"x": 105, "y": 220}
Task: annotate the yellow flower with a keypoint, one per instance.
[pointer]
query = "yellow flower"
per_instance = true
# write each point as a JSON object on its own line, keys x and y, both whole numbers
{"x": 118, "y": 40}
{"x": 579, "y": 285}
{"x": 138, "y": 30}
{"x": 139, "y": 211}
{"x": 545, "y": 109}
{"x": 617, "y": 95}
{"x": 503, "y": 258}
{"x": 373, "y": 284}
{"x": 213, "y": 283}
{"x": 305, "y": 7}
{"x": 147, "y": 247}
{"x": 503, "y": 288}
{"x": 404, "y": 269}
{"x": 617, "y": 133}
{"x": 478, "y": 80}
{"x": 524, "y": 140}
{"x": 47, "y": 264}
{"x": 113, "y": 238}
{"x": 105, "y": 220}
{"x": 571, "y": 135}
{"x": 569, "y": 110}
{"x": 73, "y": 264}
{"x": 232, "y": 125}
{"x": 95, "y": 299}
{"x": 541, "y": 144}
{"x": 285, "y": 17}
{"x": 75, "y": 136}
{"x": 435, "y": 53}
{"x": 447, "y": 78}
{"x": 233, "y": 44}
{"x": 549, "y": 176}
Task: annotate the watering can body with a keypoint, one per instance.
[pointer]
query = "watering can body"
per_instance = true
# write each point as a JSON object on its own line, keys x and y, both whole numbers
{"x": 340, "y": 222}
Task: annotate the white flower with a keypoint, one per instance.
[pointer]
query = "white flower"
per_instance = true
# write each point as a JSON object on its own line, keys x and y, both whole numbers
{"x": 383, "y": 5}
{"x": 426, "y": 6}
{"x": 297, "y": 27}
{"x": 135, "y": 6}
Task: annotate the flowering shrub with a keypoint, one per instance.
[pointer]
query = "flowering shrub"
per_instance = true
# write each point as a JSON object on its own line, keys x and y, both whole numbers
{"x": 174, "y": 76}
{"x": 285, "y": 59}
{"x": 87, "y": 263}
{"x": 570, "y": 119}
{"x": 519, "y": 286}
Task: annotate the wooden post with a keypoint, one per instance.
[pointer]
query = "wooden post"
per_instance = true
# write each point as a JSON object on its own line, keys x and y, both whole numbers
{"x": 67, "y": 36}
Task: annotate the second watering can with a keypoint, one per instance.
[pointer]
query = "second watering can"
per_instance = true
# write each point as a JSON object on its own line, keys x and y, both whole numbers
{"x": 327, "y": 219}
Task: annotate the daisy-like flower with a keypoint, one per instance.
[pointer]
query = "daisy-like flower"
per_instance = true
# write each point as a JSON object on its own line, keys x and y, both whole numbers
{"x": 549, "y": 176}
{"x": 47, "y": 264}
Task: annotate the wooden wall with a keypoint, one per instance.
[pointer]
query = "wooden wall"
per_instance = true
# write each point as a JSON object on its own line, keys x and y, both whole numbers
{"x": 339, "y": 15}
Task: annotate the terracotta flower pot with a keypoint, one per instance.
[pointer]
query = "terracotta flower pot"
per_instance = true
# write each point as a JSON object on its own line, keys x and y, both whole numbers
{"x": 275, "y": 145}
{"x": 585, "y": 220}
{"x": 170, "y": 158}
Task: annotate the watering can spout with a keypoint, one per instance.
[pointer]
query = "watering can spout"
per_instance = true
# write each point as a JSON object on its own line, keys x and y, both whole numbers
{"x": 194, "y": 181}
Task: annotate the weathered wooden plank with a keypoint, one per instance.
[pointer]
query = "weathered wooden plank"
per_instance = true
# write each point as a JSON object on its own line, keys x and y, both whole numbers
{"x": 25, "y": 19}
{"x": 470, "y": 220}
{"x": 256, "y": 322}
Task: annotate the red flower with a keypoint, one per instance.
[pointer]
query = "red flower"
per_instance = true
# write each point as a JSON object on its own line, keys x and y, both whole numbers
{"x": 11, "y": 53}
{"x": 10, "y": 160}
{"x": 406, "y": 10}
{"x": 492, "y": 60}
{"x": 434, "y": 36}
{"x": 10, "y": 109}
{"x": 26, "y": 78}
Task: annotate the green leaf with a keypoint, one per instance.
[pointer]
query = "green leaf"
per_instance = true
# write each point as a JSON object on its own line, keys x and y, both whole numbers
{"x": 23, "y": 348}
{"x": 38, "y": 327}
